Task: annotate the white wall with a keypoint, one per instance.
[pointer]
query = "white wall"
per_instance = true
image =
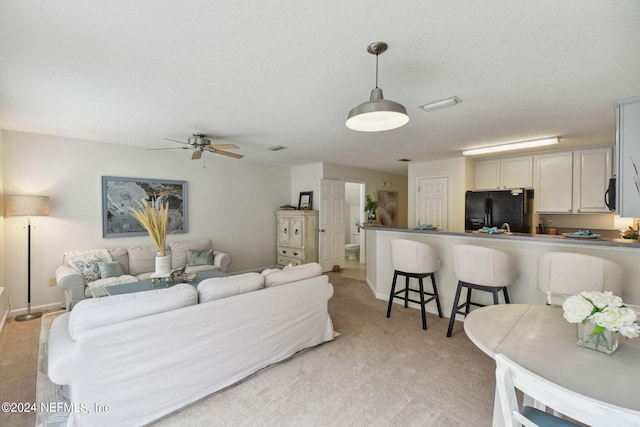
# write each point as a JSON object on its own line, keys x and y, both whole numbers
{"x": 458, "y": 170}
{"x": 306, "y": 178}
{"x": 232, "y": 202}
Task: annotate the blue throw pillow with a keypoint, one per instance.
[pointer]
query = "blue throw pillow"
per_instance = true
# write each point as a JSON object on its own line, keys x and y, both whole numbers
{"x": 89, "y": 268}
{"x": 199, "y": 257}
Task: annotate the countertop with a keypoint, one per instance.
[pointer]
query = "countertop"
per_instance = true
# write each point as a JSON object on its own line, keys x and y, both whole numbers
{"x": 600, "y": 241}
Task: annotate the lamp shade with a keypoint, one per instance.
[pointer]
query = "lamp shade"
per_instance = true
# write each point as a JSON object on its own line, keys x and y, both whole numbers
{"x": 377, "y": 114}
{"x": 27, "y": 206}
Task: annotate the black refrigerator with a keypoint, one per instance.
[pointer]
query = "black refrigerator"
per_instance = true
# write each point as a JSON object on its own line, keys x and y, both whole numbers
{"x": 494, "y": 208}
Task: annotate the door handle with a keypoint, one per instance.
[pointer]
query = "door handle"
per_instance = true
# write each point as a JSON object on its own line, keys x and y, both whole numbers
{"x": 322, "y": 230}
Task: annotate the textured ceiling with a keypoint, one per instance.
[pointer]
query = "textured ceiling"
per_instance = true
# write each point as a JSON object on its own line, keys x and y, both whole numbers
{"x": 287, "y": 72}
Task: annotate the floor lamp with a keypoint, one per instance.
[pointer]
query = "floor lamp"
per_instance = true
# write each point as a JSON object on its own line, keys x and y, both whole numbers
{"x": 27, "y": 206}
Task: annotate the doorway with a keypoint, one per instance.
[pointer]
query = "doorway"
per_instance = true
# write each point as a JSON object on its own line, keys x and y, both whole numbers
{"x": 433, "y": 202}
{"x": 354, "y": 196}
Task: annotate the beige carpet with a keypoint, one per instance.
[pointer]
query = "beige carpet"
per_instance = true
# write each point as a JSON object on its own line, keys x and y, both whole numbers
{"x": 378, "y": 372}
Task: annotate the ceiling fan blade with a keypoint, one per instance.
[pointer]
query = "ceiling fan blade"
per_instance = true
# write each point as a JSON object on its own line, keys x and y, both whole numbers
{"x": 232, "y": 146}
{"x": 228, "y": 154}
{"x": 196, "y": 155}
{"x": 175, "y": 140}
{"x": 172, "y": 148}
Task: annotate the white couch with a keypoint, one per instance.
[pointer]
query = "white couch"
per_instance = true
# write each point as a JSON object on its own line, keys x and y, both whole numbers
{"x": 148, "y": 354}
{"x": 136, "y": 263}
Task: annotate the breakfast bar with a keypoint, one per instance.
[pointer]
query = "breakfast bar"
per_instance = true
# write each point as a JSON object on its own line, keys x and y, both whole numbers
{"x": 524, "y": 248}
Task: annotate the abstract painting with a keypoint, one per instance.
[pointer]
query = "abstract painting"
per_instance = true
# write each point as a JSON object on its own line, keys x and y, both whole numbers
{"x": 119, "y": 195}
{"x": 387, "y": 213}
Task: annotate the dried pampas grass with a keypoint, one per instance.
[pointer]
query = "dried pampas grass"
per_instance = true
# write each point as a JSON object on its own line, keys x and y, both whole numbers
{"x": 154, "y": 220}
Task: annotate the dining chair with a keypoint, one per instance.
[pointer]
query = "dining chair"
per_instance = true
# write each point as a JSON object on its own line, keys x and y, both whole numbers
{"x": 482, "y": 269}
{"x": 562, "y": 274}
{"x": 511, "y": 376}
{"x": 414, "y": 260}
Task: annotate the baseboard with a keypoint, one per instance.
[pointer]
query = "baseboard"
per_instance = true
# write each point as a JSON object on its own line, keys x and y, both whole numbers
{"x": 53, "y": 306}
{"x": 4, "y": 306}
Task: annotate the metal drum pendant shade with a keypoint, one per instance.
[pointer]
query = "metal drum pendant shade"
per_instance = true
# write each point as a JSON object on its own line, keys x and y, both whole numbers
{"x": 377, "y": 114}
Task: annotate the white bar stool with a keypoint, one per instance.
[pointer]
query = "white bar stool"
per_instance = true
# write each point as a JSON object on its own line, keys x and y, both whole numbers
{"x": 482, "y": 269}
{"x": 562, "y": 274}
{"x": 417, "y": 260}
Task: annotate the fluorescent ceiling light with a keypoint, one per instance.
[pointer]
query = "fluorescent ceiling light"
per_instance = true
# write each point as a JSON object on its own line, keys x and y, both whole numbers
{"x": 512, "y": 146}
{"x": 441, "y": 104}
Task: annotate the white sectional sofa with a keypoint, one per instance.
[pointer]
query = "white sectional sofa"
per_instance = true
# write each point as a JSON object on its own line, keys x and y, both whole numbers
{"x": 148, "y": 354}
{"x": 135, "y": 263}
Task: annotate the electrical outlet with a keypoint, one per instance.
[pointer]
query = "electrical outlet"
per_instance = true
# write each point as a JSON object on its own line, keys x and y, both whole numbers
{"x": 549, "y": 222}
{"x": 52, "y": 281}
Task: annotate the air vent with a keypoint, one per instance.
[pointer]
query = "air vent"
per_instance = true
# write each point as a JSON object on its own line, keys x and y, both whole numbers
{"x": 276, "y": 148}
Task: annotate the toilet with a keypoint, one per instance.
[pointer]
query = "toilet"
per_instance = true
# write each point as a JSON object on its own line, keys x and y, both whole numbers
{"x": 352, "y": 250}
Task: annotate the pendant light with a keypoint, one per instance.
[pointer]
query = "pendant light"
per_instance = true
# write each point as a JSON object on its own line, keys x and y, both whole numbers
{"x": 377, "y": 114}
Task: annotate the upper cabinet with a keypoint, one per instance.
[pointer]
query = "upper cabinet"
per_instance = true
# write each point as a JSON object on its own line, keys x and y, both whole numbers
{"x": 504, "y": 173}
{"x": 554, "y": 182}
{"x": 592, "y": 170}
{"x": 572, "y": 181}
{"x": 628, "y": 168}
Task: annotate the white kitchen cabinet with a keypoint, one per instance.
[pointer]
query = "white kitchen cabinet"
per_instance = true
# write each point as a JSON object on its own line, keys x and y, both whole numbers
{"x": 554, "y": 182}
{"x": 592, "y": 170}
{"x": 504, "y": 173}
{"x": 572, "y": 181}
{"x": 487, "y": 174}
{"x": 628, "y": 165}
{"x": 297, "y": 237}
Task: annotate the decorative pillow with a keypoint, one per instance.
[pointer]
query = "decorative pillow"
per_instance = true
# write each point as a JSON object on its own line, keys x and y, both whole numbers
{"x": 195, "y": 257}
{"x": 89, "y": 268}
{"x": 110, "y": 269}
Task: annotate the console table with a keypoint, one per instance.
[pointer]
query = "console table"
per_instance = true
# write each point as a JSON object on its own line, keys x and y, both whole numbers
{"x": 146, "y": 285}
{"x": 538, "y": 338}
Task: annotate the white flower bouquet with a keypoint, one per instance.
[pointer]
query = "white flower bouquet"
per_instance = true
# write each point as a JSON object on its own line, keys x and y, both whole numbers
{"x": 606, "y": 312}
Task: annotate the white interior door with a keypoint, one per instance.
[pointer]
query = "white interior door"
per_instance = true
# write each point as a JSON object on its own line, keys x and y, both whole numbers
{"x": 331, "y": 224}
{"x": 433, "y": 202}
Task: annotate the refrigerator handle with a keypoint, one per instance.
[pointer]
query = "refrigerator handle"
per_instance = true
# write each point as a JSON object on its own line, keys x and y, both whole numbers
{"x": 487, "y": 212}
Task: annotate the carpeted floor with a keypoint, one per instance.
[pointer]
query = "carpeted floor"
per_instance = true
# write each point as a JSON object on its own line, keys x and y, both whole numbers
{"x": 378, "y": 372}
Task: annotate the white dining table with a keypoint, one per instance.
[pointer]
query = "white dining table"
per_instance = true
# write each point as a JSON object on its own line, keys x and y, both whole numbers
{"x": 538, "y": 338}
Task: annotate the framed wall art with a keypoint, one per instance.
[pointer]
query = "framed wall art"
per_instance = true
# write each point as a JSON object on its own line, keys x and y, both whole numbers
{"x": 388, "y": 209}
{"x": 305, "y": 202}
{"x": 120, "y": 194}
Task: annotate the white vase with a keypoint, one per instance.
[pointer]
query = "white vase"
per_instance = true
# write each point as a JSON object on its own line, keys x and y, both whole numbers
{"x": 163, "y": 264}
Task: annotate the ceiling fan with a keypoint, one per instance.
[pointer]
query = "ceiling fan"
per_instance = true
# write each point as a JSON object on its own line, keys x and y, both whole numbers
{"x": 200, "y": 143}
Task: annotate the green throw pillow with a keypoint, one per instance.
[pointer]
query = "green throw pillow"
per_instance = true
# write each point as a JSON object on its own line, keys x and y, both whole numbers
{"x": 110, "y": 269}
{"x": 199, "y": 257}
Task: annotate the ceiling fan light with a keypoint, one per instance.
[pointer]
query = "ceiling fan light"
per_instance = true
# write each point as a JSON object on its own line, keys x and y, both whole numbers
{"x": 377, "y": 114}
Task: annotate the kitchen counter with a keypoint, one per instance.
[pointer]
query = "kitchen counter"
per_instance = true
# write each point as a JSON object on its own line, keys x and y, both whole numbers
{"x": 558, "y": 238}
{"x": 524, "y": 248}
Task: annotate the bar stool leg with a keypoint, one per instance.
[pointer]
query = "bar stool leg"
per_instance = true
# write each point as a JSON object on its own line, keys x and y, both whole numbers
{"x": 506, "y": 295}
{"x": 406, "y": 292}
{"x": 435, "y": 292}
{"x": 422, "y": 309}
{"x": 495, "y": 296}
{"x": 467, "y": 308}
{"x": 393, "y": 289}
{"x": 455, "y": 309}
